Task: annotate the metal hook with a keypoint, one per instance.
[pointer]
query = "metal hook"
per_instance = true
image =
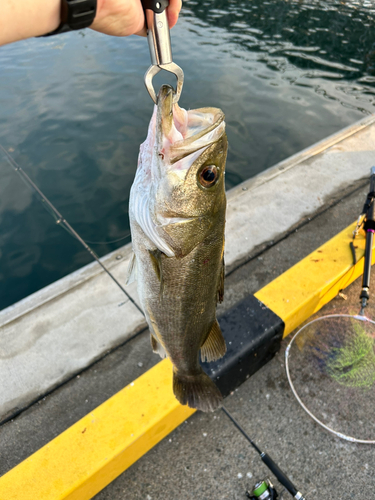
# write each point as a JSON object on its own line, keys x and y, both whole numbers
{"x": 171, "y": 68}
{"x": 159, "y": 42}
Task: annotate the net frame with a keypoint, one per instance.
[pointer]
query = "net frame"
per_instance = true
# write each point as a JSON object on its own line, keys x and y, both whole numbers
{"x": 287, "y": 351}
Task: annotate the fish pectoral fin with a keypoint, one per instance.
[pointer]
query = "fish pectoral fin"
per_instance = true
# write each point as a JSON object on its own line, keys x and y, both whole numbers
{"x": 197, "y": 391}
{"x": 214, "y": 346}
{"x": 155, "y": 256}
{"x": 131, "y": 273}
{"x": 220, "y": 289}
{"x": 157, "y": 347}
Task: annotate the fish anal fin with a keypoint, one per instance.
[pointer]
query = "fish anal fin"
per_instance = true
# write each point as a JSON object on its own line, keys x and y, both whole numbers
{"x": 157, "y": 347}
{"x": 131, "y": 273}
{"x": 197, "y": 391}
{"x": 220, "y": 289}
{"x": 214, "y": 346}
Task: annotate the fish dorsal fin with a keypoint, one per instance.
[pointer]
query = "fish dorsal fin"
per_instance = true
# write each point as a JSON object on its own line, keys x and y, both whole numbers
{"x": 131, "y": 273}
{"x": 214, "y": 346}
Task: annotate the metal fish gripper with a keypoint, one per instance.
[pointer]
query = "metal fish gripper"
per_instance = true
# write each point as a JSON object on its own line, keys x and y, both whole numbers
{"x": 159, "y": 42}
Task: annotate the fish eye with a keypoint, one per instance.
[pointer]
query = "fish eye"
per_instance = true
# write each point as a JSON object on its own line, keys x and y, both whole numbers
{"x": 208, "y": 176}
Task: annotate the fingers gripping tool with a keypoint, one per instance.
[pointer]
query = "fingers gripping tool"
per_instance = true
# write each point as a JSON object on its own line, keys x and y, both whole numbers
{"x": 159, "y": 42}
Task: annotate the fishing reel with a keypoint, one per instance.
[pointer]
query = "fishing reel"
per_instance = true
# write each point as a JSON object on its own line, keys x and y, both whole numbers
{"x": 263, "y": 490}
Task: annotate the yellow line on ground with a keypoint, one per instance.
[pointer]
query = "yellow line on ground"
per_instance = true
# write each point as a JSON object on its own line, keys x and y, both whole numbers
{"x": 93, "y": 452}
{"x": 306, "y": 287}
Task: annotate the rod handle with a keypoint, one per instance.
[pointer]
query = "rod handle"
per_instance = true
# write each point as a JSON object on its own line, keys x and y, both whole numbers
{"x": 367, "y": 263}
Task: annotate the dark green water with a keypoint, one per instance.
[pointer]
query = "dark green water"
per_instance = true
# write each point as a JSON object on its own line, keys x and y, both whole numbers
{"x": 73, "y": 111}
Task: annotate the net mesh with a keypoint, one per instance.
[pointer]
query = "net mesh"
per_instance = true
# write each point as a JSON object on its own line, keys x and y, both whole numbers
{"x": 331, "y": 365}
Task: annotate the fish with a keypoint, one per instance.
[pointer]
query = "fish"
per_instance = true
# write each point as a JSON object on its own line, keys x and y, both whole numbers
{"x": 177, "y": 211}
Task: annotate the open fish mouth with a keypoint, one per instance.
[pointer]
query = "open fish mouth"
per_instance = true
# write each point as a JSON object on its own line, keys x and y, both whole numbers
{"x": 182, "y": 133}
{"x": 177, "y": 141}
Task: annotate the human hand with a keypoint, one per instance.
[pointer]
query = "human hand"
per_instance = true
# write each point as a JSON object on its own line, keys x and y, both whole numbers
{"x": 126, "y": 17}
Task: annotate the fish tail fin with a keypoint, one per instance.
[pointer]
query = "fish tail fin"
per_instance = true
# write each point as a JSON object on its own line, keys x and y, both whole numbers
{"x": 197, "y": 391}
{"x": 158, "y": 348}
{"x": 214, "y": 346}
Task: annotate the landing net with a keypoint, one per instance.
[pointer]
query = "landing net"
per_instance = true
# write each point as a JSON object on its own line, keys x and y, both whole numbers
{"x": 330, "y": 365}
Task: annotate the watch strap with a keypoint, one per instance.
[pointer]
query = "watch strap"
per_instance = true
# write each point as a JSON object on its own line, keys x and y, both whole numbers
{"x": 75, "y": 15}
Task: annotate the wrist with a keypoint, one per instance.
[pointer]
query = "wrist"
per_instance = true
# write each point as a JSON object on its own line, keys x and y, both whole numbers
{"x": 100, "y": 6}
{"x": 51, "y": 18}
{"x": 75, "y": 15}
{"x": 119, "y": 17}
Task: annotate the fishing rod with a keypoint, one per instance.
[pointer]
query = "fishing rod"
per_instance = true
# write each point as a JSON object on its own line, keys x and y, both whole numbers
{"x": 368, "y": 217}
{"x": 64, "y": 223}
{"x": 260, "y": 489}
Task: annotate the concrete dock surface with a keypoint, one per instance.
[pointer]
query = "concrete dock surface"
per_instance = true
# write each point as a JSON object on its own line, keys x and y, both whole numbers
{"x": 206, "y": 458}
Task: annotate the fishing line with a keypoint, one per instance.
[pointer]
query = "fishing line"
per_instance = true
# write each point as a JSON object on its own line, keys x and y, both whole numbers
{"x": 330, "y": 361}
{"x": 59, "y": 219}
{"x": 108, "y": 242}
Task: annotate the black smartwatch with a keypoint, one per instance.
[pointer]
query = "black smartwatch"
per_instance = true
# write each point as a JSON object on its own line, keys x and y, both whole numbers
{"x": 75, "y": 15}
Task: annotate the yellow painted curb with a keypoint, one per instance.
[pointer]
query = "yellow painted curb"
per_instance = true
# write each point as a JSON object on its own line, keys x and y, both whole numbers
{"x": 93, "y": 452}
{"x": 306, "y": 287}
{"x": 81, "y": 461}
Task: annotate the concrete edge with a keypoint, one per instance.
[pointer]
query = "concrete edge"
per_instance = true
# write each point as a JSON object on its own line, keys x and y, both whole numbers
{"x": 117, "y": 433}
{"x": 261, "y": 247}
{"x": 296, "y": 159}
{"x": 62, "y": 286}
{"x": 264, "y": 209}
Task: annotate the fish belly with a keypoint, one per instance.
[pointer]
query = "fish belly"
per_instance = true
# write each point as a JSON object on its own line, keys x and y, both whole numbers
{"x": 180, "y": 307}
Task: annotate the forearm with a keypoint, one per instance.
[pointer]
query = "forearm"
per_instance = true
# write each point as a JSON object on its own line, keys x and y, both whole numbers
{"x": 20, "y": 19}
